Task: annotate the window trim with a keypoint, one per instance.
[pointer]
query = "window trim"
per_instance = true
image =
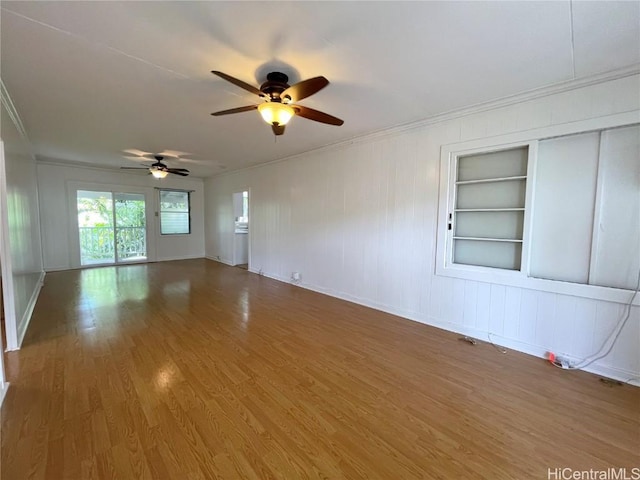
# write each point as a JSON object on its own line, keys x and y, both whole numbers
{"x": 177, "y": 190}
{"x": 521, "y": 279}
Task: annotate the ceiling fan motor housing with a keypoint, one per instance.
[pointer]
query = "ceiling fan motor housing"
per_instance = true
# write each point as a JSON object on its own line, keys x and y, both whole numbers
{"x": 159, "y": 165}
{"x": 276, "y": 84}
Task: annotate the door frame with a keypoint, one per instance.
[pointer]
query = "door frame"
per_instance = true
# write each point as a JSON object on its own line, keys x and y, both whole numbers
{"x": 74, "y": 240}
{"x": 233, "y": 231}
{"x": 10, "y": 322}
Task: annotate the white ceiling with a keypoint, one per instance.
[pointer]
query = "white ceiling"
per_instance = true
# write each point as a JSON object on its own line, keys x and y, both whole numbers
{"x": 93, "y": 79}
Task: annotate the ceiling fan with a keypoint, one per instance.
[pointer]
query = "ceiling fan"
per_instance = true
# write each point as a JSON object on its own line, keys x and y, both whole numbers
{"x": 159, "y": 169}
{"x": 280, "y": 100}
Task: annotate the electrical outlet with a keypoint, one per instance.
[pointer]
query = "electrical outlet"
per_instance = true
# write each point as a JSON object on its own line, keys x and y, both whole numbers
{"x": 559, "y": 360}
{"x": 563, "y": 362}
{"x": 295, "y": 276}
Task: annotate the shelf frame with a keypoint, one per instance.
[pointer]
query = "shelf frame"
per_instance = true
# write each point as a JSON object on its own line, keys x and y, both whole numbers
{"x": 491, "y": 180}
{"x": 506, "y": 209}
{"x": 489, "y": 239}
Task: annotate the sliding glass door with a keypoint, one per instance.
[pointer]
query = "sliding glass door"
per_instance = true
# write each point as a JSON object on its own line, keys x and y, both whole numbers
{"x": 111, "y": 227}
{"x": 131, "y": 230}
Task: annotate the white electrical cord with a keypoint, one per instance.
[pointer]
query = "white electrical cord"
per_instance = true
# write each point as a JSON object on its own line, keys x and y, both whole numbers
{"x": 498, "y": 348}
{"x": 615, "y": 334}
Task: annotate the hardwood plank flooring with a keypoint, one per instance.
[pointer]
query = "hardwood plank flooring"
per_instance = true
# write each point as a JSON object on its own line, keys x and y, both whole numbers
{"x": 196, "y": 370}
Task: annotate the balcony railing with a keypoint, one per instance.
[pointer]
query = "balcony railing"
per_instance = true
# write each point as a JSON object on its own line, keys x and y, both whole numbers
{"x": 97, "y": 244}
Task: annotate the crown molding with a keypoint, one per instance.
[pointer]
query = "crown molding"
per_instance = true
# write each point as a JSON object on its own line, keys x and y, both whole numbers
{"x": 7, "y": 102}
{"x": 5, "y": 98}
{"x": 60, "y": 162}
{"x": 56, "y": 162}
{"x": 534, "y": 94}
{"x": 554, "y": 89}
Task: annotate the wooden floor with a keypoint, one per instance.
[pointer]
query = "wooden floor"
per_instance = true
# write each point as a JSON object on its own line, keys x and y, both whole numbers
{"x": 196, "y": 370}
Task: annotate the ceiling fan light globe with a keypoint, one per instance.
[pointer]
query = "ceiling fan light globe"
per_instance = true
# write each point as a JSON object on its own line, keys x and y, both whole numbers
{"x": 275, "y": 113}
{"x": 159, "y": 173}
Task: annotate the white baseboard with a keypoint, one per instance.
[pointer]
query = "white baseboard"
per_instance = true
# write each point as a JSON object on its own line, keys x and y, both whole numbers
{"x": 221, "y": 260}
{"x": 3, "y": 391}
{"x": 28, "y": 313}
{"x": 58, "y": 269}
{"x": 172, "y": 259}
{"x": 83, "y": 267}
{"x": 619, "y": 374}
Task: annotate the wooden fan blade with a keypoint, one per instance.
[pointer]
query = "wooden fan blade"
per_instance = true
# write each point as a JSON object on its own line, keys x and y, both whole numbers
{"x": 238, "y": 83}
{"x": 278, "y": 129}
{"x": 316, "y": 115}
{"x": 134, "y": 168}
{"x": 304, "y": 89}
{"x": 248, "y": 108}
{"x": 136, "y": 153}
{"x": 173, "y": 154}
{"x": 178, "y": 171}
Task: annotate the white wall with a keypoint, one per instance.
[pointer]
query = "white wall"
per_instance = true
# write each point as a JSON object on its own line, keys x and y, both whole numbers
{"x": 22, "y": 254}
{"x": 358, "y": 221}
{"x": 56, "y": 182}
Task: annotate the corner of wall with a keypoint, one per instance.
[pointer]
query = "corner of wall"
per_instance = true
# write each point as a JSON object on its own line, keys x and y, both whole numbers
{"x": 28, "y": 313}
{"x": 4, "y": 387}
{"x": 20, "y": 297}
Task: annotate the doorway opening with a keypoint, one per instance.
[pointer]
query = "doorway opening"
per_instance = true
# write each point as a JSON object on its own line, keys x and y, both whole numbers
{"x": 241, "y": 230}
{"x": 111, "y": 227}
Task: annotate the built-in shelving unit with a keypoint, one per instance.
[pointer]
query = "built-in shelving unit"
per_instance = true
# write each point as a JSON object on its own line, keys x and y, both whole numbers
{"x": 488, "y": 215}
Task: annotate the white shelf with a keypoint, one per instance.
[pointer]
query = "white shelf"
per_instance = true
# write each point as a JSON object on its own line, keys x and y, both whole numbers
{"x": 490, "y": 180}
{"x": 516, "y": 209}
{"x": 485, "y": 239}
